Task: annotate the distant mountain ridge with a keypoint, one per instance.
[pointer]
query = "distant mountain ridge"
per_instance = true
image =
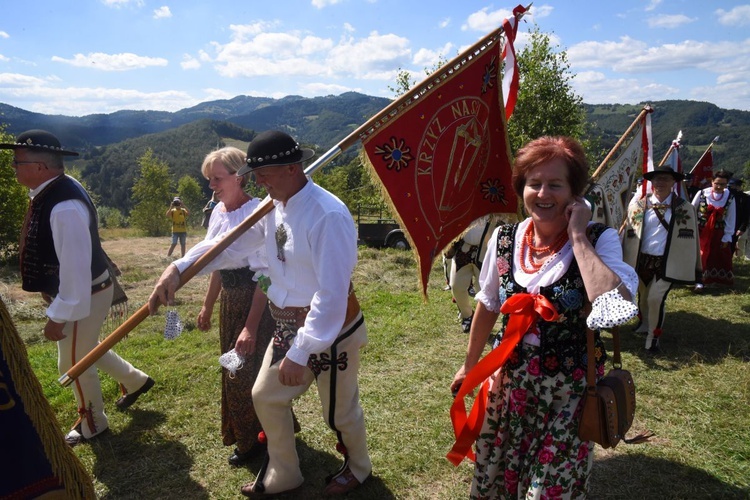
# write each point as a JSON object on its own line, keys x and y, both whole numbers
{"x": 317, "y": 120}
{"x": 111, "y": 143}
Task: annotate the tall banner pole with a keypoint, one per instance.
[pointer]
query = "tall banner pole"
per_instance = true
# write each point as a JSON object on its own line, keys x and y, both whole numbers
{"x": 595, "y": 176}
{"x": 671, "y": 148}
{"x": 710, "y": 146}
{"x": 266, "y": 206}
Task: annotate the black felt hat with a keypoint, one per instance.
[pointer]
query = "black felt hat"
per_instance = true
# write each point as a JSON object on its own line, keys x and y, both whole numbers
{"x": 38, "y": 140}
{"x": 664, "y": 169}
{"x": 274, "y": 148}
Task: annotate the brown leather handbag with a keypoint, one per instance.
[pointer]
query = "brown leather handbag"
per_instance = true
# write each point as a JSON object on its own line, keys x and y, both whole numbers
{"x": 608, "y": 406}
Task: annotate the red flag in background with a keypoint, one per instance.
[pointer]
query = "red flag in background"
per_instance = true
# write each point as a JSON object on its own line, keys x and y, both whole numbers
{"x": 703, "y": 171}
{"x": 443, "y": 157}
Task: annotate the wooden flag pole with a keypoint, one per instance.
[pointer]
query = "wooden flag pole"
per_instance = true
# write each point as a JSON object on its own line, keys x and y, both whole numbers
{"x": 595, "y": 176}
{"x": 142, "y": 313}
{"x": 671, "y": 148}
{"x": 266, "y": 206}
{"x": 710, "y": 146}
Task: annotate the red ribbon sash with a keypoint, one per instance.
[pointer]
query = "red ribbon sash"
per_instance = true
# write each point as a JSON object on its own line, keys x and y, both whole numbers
{"x": 524, "y": 309}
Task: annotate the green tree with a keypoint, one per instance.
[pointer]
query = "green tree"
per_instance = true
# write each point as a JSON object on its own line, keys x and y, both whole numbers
{"x": 404, "y": 81}
{"x": 191, "y": 194}
{"x": 14, "y": 200}
{"x": 151, "y": 195}
{"x": 547, "y": 104}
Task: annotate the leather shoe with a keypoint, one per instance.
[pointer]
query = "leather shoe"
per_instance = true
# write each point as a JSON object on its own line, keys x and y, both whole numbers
{"x": 236, "y": 459}
{"x": 342, "y": 484}
{"x": 128, "y": 399}
{"x": 248, "y": 491}
{"x": 75, "y": 437}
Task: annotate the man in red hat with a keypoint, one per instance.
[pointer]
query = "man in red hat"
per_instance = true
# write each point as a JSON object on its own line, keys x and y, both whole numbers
{"x": 308, "y": 247}
{"x": 661, "y": 243}
{"x": 62, "y": 257}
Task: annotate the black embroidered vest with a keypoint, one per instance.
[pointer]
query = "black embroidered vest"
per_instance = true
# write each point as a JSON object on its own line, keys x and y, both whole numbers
{"x": 562, "y": 343}
{"x": 720, "y": 222}
{"x": 40, "y": 268}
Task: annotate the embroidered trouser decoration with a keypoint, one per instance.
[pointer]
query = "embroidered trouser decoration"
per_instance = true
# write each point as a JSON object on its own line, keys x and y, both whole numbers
{"x": 283, "y": 337}
{"x": 337, "y": 362}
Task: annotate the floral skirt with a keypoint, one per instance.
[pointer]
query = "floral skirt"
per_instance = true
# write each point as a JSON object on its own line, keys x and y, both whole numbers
{"x": 529, "y": 447}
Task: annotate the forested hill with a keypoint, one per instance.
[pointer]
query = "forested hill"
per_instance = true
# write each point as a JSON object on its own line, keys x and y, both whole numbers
{"x": 700, "y": 123}
{"x": 111, "y": 143}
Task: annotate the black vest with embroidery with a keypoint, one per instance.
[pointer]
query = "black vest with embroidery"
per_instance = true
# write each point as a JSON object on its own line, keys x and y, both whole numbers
{"x": 40, "y": 267}
{"x": 562, "y": 343}
{"x": 719, "y": 221}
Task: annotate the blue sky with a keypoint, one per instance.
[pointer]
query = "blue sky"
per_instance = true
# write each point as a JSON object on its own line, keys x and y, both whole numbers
{"x": 78, "y": 57}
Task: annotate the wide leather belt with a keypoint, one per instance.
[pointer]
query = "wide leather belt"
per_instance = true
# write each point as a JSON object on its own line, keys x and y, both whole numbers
{"x": 101, "y": 286}
{"x": 298, "y": 314}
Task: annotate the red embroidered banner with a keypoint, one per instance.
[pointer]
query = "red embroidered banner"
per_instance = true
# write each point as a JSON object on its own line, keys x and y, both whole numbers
{"x": 443, "y": 157}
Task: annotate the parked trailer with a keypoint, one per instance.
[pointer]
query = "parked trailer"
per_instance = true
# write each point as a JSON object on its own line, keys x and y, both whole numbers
{"x": 375, "y": 230}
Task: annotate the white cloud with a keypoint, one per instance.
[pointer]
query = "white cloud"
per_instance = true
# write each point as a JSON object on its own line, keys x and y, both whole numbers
{"x": 241, "y": 32}
{"x": 79, "y": 101}
{"x": 426, "y": 58}
{"x": 3, "y": 58}
{"x": 486, "y": 21}
{"x": 634, "y": 56}
{"x": 319, "y": 4}
{"x": 211, "y": 94}
{"x": 316, "y": 89}
{"x": 373, "y": 57}
{"x": 738, "y": 16}
{"x": 252, "y": 52}
{"x": 3, "y": 34}
{"x": 257, "y": 50}
{"x": 541, "y": 11}
{"x": 18, "y": 80}
{"x": 672, "y": 21}
{"x": 122, "y": 3}
{"x": 162, "y": 12}
{"x": 203, "y": 56}
{"x": 652, "y": 5}
{"x": 349, "y": 28}
{"x": 111, "y": 62}
{"x": 190, "y": 62}
{"x": 595, "y": 88}
{"x": 445, "y": 22}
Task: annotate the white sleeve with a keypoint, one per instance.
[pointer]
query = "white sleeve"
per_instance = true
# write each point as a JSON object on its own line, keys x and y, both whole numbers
{"x": 72, "y": 240}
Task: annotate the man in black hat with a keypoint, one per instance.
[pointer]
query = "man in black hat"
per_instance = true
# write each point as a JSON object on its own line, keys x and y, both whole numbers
{"x": 62, "y": 257}
{"x": 661, "y": 243}
{"x": 308, "y": 245}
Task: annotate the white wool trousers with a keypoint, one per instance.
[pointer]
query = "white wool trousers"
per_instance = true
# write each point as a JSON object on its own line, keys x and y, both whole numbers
{"x": 80, "y": 338}
{"x": 339, "y": 398}
{"x": 460, "y": 280}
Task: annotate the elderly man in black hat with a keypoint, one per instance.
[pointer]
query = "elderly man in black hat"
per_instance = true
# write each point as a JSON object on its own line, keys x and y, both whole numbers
{"x": 661, "y": 243}
{"x": 308, "y": 245}
{"x": 62, "y": 257}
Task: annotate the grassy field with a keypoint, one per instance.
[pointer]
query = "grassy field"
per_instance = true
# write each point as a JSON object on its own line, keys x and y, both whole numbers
{"x": 696, "y": 398}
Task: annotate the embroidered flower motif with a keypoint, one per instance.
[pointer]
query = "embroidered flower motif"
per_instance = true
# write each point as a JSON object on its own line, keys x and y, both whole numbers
{"x": 502, "y": 266}
{"x": 502, "y": 295}
{"x": 396, "y": 155}
{"x": 571, "y": 299}
{"x": 494, "y": 191}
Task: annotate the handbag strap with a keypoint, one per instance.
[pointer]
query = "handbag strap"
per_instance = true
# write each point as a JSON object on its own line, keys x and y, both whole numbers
{"x": 591, "y": 365}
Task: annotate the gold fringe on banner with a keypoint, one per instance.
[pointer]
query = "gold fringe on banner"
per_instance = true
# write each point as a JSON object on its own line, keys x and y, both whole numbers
{"x": 65, "y": 465}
